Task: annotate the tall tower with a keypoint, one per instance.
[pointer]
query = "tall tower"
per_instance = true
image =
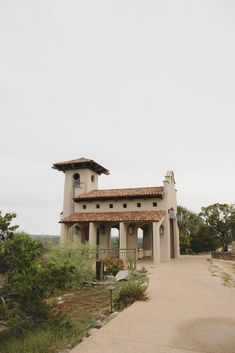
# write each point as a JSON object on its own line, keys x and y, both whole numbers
{"x": 81, "y": 175}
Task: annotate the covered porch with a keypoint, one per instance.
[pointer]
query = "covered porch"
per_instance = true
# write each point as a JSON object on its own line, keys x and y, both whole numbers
{"x": 96, "y": 229}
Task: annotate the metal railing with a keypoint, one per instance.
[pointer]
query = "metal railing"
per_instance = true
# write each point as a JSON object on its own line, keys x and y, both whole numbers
{"x": 127, "y": 255}
{"x": 145, "y": 254}
{"x": 223, "y": 255}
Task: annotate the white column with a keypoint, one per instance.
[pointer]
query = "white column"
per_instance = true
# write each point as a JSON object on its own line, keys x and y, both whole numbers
{"x": 122, "y": 240}
{"x": 165, "y": 241}
{"x": 64, "y": 236}
{"x": 109, "y": 238}
{"x": 156, "y": 243}
{"x": 176, "y": 238}
{"x": 92, "y": 234}
{"x": 122, "y": 235}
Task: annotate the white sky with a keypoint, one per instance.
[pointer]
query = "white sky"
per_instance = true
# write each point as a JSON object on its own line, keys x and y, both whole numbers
{"x": 138, "y": 86}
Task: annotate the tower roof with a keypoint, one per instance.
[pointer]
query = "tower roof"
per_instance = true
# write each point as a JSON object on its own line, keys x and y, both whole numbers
{"x": 80, "y": 163}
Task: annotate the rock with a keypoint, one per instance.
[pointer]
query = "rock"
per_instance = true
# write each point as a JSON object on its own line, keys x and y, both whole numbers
{"x": 60, "y": 302}
{"x": 110, "y": 278}
{"x": 122, "y": 275}
{"x": 98, "y": 324}
{"x": 68, "y": 294}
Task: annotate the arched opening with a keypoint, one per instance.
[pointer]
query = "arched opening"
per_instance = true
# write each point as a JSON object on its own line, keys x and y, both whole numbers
{"x": 115, "y": 237}
{"x": 140, "y": 243}
{"x": 140, "y": 235}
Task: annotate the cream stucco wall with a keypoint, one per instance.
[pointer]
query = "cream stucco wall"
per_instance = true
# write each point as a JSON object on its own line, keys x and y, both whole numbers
{"x": 71, "y": 190}
{"x": 152, "y": 240}
{"x": 146, "y": 205}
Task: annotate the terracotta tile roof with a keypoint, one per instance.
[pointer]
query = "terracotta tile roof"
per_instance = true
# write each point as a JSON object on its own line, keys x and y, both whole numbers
{"x": 131, "y": 193}
{"x": 80, "y": 163}
{"x": 131, "y": 216}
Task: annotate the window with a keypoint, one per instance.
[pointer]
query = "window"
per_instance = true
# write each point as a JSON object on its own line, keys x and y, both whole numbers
{"x": 76, "y": 177}
{"x": 154, "y": 204}
{"x": 92, "y": 178}
{"x": 110, "y": 205}
{"x": 97, "y": 206}
{"x": 124, "y": 205}
{"x": 84, "y": 207}
{"x": 138, "y": 204}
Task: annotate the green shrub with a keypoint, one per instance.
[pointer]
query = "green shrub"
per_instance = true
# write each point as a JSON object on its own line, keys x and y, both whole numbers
{"x": 131, "y": 263}
{"x": 130, "y": 292}
{"x": 23, "y": 291}
{"x": 112, "y": 266}
{"x": 69, "y": 265}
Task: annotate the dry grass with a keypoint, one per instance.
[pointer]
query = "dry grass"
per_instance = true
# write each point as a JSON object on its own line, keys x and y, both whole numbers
{"x": 82, "y": 308}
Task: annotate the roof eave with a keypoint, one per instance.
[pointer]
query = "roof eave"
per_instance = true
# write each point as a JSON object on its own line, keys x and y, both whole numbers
{"x": 114, "y": 198}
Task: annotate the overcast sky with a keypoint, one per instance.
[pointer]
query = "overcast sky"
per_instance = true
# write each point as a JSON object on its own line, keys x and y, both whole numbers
{"x": 139, "y": 86}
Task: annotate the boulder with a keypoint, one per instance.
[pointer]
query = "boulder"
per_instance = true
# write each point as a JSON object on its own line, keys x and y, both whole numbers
{"x": 122, "y": 275}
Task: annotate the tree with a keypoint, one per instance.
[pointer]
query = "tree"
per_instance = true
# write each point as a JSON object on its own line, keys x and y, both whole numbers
{"x": 204, "y": 240}
{"x": 195, "y": 236}
{"x": 220, "y": 221}
{"x": 6, "y": 229}
{"x": 189, "y": 224}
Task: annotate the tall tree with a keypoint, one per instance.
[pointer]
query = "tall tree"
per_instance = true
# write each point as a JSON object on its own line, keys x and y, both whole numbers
{"x": 220, "y": 220}
{"x": 189, "y": 224}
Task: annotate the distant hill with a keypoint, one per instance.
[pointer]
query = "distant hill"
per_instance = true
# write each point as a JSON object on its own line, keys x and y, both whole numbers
{"x": 47, "y": 240}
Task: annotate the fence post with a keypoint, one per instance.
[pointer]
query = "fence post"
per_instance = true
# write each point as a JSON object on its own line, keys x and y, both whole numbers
{"x": 135, "y": 258}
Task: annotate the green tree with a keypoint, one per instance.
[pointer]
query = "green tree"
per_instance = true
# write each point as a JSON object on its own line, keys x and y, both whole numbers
{"x": 204, "y": 240}
{"x": 220, "y": 221}
{"x": 6, "y": 229}
{"x": 23, "y": 280}
{"x": 195, "y": 235}
{"x": 189, "y": 223}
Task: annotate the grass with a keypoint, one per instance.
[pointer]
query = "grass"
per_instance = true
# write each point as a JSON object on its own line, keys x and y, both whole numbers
{"x": 75, "y": 312}
{"x": 130, "y": 292}
{"x": 80, "y": 310}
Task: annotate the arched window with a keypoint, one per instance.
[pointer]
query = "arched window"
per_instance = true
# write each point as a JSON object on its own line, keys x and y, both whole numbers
{"x": 76, "y": 178}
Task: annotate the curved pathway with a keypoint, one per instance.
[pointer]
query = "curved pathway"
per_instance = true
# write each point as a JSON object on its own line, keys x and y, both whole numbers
{"x": 188, "y": 311}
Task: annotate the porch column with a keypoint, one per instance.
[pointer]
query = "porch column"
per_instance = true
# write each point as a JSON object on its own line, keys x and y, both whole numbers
{"x": 109, "y": 238}
{"x": 64, "y": 236}
{"x": 92, "y": 234}
{"x": 122, "y": 241}
{"x": 177, "y": 242}
{"x": 156, "y": 243}
{"x": 122, "y": 235}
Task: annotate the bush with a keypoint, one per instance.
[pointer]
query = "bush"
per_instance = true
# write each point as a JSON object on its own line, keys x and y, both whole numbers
{"x": 130, "y": 292}
{"x": 23, "y": 289}
{"x": 185, "y": 244}
{"x": 70, "y": 265}
{"x": 113, "y": 266}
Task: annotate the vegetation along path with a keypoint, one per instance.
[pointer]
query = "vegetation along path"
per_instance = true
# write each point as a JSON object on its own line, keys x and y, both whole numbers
{"x": 188, "y": 311}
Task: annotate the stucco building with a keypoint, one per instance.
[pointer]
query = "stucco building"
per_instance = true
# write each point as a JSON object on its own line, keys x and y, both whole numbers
{"x": 89, "y": 214}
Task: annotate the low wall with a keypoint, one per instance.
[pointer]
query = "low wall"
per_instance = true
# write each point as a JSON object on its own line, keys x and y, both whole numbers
{"x": 223, "y": 255}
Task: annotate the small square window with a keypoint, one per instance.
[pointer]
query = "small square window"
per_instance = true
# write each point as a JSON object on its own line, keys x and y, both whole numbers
{"x": 138, "y": 204}
{"x": 154, "y": 204}
{"x": 110, "y": 205}
{"x": 124, "y": 205}
{"x": 97, "y": 206}
{"x": 84, "y": 207}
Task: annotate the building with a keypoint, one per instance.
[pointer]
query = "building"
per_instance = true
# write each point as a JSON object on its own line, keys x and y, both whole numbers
{"x": 89, "y": 214}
